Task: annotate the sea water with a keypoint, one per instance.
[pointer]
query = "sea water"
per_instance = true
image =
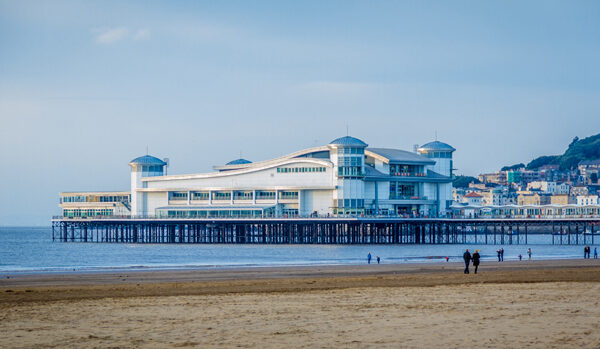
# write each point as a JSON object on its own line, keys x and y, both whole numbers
{"x": 25, "y": 250}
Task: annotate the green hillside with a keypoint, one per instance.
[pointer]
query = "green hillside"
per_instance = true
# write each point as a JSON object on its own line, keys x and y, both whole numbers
{"x": 579, "y": 149}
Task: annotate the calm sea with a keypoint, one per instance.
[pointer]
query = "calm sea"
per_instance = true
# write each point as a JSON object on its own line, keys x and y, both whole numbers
{"x": 32, "y": 250}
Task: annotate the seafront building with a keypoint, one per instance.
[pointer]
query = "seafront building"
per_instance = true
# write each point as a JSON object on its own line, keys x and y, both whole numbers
{"x": 344, "y": 177}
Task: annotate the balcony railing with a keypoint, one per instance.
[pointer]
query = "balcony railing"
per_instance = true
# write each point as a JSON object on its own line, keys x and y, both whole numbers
{"x": 407, "y": 197}
{"x": 408, "y": 174}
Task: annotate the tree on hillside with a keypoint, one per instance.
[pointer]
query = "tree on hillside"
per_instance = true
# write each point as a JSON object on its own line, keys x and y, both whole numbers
{"x": 542, "y": 161}
{"x": 513, "y": 167}
{"x": 464, "y": 181}
{"x": 580, "y": 149}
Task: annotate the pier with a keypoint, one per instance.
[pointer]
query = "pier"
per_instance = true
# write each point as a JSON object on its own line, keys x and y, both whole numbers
{"x": 357, "y": 230}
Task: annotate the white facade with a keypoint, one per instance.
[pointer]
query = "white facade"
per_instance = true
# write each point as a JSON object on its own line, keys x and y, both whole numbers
{"x": 343, "y": 177}
{"x": 544, "y": 186}
{"x": 585, "y": 200}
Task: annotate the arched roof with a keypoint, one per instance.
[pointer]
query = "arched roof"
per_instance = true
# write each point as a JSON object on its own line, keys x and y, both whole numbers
{"x": 147, "y": 160}
{"x": 238, "y": 162}
{"x": 436, "y": 146}
{"x": 349, "y": 141}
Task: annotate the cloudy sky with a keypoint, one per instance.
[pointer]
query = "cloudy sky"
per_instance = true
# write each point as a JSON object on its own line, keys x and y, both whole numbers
{"x": 85, "y": 86}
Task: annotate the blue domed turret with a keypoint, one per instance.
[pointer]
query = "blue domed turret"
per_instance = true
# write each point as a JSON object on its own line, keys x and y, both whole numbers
{"x": 147, "y": 160}
{"x": 148, "y": 166}
{"x": 435, "y": 146}
{"x": 348, "y": 142}
{"x": 238, "y": 162}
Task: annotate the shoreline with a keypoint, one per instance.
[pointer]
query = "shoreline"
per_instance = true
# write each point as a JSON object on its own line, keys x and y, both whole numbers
{"x": 412, "y": 260}
{"x": 74, "y": 286}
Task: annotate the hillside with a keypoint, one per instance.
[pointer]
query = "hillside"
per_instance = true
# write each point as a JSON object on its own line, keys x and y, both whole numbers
{"x": 579, "y": 149}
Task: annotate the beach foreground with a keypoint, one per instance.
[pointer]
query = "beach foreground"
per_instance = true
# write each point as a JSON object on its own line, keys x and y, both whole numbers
{"x": 511, "y": 304}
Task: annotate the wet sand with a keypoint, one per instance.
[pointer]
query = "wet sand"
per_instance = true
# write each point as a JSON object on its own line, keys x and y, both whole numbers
{"x": 510, "y": 304}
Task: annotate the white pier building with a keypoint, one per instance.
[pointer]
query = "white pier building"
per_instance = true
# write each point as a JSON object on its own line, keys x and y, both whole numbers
{"x": 344, "y": 177}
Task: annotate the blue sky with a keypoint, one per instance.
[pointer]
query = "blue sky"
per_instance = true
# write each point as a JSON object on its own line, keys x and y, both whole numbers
{"x": 85, "y": 86}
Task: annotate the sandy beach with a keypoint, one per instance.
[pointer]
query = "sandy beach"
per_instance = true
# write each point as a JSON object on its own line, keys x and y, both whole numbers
{"x": 537, "y": 304}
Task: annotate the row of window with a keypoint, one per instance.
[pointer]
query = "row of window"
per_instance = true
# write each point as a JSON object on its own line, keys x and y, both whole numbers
{"x": 117, "y": 198}
{"x": 404, "y": 170}
{"x": 350, "y": 161}
{"x": 348, "y": 211}
{"x": 153, "y": 168}
{"x": 350, "y": 171}
{"x": 237, "y": 195}
{"x": 74, "y": 199}
{"x": 349, "y": 203}
{"x": 439, "y": 154}
{"x": 398, "y": 190}
{"x": 350, "y": 150}
{"x": 300, "y": 169}
{"x": 211, "y": 213}
{"x": 87, "y": 212}
{"x": 96, "y": 198}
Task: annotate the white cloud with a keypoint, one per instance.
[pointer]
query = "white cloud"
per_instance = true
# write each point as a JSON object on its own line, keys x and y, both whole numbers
{"x": 112, "y": 35}
{"x": 141, "y": 34}
{"x": 109, "y": 36}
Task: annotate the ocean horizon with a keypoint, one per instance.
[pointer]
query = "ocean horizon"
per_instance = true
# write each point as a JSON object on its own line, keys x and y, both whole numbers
{"x": 31, "y": 250}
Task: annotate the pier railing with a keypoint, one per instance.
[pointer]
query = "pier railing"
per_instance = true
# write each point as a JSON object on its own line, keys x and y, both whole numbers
{"x": 336, "y": 216}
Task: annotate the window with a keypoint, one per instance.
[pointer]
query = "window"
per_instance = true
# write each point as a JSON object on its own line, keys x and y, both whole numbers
{"x": 350, "y": 151}
{"x": 288, "y": 195}
{"x": 178, "y": 195}
{"x": 265, "y": 195}
{"x": 350, "y": 171}
{"x": 300, "y": 169}
{"x": 242, "y": 195}
{"x": 200, "y": 195}
{"x": 220, "y": 195}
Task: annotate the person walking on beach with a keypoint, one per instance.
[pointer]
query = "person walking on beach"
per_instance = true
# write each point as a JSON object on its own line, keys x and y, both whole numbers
{"x": 467, "y": 258}
{"x": 585, "y": 252}
{"x": 499, "y": 252}
{"x": 369, "y": 258}
{"x": 378, "y": 259}
{"x": 529, "y": 253}
{"x": 520, "y": 257}
{"x": 502, "y": 254}
{"x": 595, "y": 252}
{"x": 476, "y": 258}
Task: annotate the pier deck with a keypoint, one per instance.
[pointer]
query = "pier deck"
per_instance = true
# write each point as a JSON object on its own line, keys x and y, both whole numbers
{"x": 325, "y": 230}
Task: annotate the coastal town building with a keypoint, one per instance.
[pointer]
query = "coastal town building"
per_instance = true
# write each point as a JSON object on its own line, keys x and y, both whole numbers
{"x": 533, "y": 199}
{"x": 544, "y": 186}
{"x": 588, "y": 167}
{"x": 344, "y": 177}
{"x": 561, "y": 199}
{"x": 473, "y": 199}
{"x": 498, "y": 177}
{"x": 579, "y": 190}
{"x": 583, "y": 200}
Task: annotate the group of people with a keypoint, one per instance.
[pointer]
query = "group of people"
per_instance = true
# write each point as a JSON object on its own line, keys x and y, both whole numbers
{"x": 475, "y": 257}
{"x": 500, "y": 252}
{"x": 369, "y": 257}
{"x": 587, "y": 250}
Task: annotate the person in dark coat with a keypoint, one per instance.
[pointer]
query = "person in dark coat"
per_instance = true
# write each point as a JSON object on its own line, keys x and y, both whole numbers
{"x": 502, "y": 254}
{"x": 467, "y": 258}
{"x": 369, "y": 258}
{"x": 476, "y": 258}
{"x": 499, "y": 252}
